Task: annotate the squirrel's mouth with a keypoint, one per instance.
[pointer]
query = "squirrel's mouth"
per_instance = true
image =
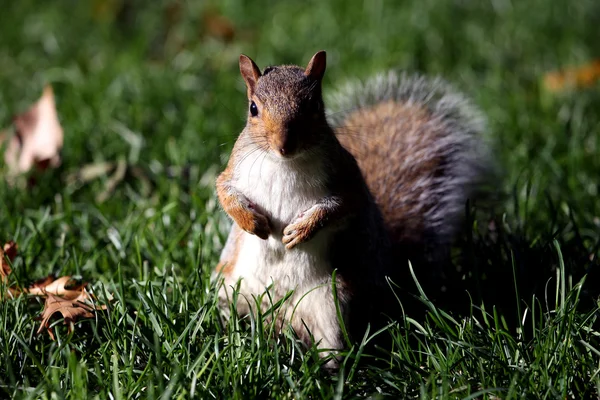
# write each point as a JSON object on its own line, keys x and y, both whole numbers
{"x": 285, "y": 150}
{"x": 285, "y": 156}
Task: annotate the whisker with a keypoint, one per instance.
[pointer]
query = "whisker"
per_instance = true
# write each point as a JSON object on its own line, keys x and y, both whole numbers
{"x": 264, "y": 154}
{"x": 249, "y": 153}
{"x": 261, "y": 164}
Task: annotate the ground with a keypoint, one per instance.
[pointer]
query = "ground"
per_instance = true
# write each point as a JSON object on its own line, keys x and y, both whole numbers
{"x": 157, "y": 88}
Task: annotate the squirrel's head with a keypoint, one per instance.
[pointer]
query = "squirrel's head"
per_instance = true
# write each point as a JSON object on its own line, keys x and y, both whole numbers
{"x": 285, "y": 104}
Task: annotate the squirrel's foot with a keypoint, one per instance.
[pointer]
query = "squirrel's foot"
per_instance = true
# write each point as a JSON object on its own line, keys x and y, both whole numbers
{"x": 302, "y": 228}
{"x": 251, "y": 220}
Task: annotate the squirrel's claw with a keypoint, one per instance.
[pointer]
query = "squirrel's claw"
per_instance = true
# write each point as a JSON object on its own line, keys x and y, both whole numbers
{"x": 261, "y": 226}
{"x": 299, "y": 231}
{"x": 291, "y": 239}
{"x": 251, "y": 221}
{"x": 293, "y": 235}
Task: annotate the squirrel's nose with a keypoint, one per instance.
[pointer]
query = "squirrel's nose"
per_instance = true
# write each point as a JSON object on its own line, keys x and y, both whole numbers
{"x": 287, "y": 148}
{"x": 285, "y": 144}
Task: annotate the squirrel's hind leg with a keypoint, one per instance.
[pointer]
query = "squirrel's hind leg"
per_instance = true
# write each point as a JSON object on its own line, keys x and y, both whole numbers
{"x": 224, "y": 271}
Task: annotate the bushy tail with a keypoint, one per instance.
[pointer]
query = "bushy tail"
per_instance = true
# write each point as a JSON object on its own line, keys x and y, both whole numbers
{"x": 422, "y": 150}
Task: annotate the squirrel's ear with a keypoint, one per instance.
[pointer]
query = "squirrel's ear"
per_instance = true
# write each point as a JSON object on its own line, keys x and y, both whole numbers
{"x": 316, "y": 66}
{"x": 250, "y": 72}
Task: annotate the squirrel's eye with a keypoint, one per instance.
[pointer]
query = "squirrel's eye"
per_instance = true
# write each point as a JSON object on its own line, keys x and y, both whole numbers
{"x": 253, "y": 109}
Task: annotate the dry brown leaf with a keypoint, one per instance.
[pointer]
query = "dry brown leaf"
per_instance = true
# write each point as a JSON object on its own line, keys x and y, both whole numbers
{"x": 58, "y": 287}
{"x": 218, "y": 26}
{"x": 43, "y": 282}
{"x": 38, "y": 137}
{"x": 576, "y": 77}
{"x": 10, "y": 251}
{"x": 72, "y": 301}
{"x": 63, "y": 295}
{"x": 71, "y": 310}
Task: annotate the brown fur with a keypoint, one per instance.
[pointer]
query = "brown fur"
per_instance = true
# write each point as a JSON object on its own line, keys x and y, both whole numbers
{"x": 241, "y": 210}
{"x": 230, "y": 254}
{"x": 389, "y": 132}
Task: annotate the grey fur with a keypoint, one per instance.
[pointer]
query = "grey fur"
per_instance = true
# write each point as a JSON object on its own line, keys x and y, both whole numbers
{"x": 462, "y": 142}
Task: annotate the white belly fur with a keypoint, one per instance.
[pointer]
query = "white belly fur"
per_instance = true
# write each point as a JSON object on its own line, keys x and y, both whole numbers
{"x": 281, "y": 193}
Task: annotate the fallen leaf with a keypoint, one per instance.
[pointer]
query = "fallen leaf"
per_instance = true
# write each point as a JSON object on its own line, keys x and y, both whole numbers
{"x": 58, "y": 287}
{"x": 43, "y": 282}
{"x": 10, "y": 251}
{"x": 575, "y": 77}
{"x": 38, "y": 137}
{"x": 71, "y": 310}
{"x": 218, "y": 26}
{"x": 64, "y": 296}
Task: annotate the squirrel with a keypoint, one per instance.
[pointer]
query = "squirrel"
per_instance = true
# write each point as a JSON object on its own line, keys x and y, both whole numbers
{"x": 382, "y": 180}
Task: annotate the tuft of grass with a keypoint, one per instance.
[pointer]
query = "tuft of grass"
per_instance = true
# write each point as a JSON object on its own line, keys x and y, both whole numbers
{"x": 513, "y": 315}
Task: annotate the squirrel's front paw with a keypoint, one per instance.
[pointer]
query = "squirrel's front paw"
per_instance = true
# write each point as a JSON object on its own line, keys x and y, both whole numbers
{"x": 252, "y": 221}
{"x": 302, "y": 229}
{"x": 260, "y": 226}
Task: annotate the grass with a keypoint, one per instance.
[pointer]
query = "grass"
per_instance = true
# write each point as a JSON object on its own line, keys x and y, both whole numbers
{"x": 518, "y": 318}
